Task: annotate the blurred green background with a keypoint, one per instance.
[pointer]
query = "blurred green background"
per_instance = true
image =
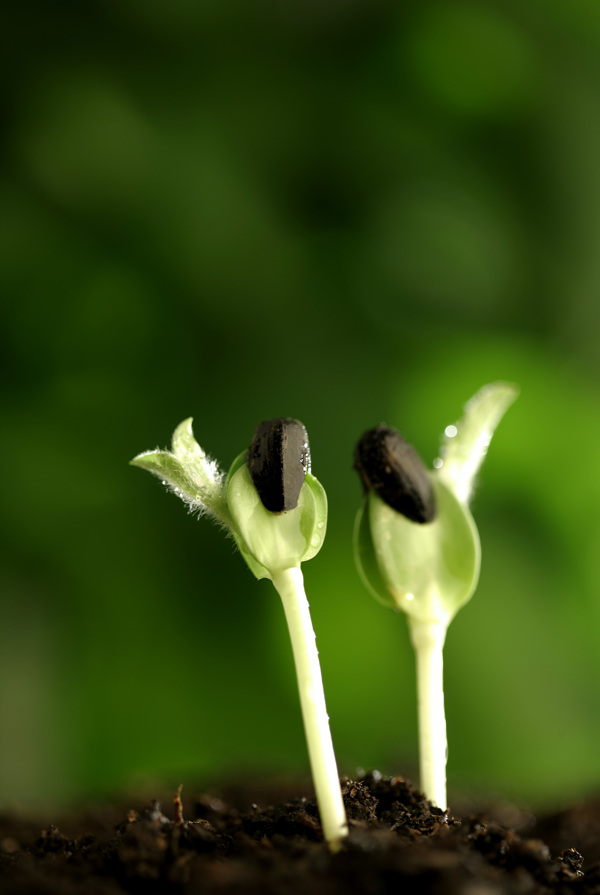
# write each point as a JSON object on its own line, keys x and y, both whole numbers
{"x": 347, "y": 212}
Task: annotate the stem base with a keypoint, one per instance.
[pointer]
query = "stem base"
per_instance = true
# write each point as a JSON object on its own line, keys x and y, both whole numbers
{"x": 290, "y": 587}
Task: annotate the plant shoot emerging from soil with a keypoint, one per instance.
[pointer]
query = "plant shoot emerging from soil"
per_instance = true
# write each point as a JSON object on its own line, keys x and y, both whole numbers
{"x": 417, "y": 548}
{"x": 276, "y": 511}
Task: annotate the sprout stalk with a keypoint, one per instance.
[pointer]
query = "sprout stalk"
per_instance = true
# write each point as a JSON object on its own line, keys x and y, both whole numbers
{"x": 428, "y": 642}
{"x": 290, "y": 586}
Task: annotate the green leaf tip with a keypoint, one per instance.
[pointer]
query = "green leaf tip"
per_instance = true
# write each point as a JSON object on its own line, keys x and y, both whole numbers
{"x": 465, "y": 444}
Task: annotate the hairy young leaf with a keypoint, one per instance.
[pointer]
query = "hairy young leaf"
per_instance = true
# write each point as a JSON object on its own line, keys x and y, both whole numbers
{"x": 189, "y": 473}
{"x": 168, "y": 468}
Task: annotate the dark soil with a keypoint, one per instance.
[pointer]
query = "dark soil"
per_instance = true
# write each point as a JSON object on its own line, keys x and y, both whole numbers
{"x": 398, "y": 843}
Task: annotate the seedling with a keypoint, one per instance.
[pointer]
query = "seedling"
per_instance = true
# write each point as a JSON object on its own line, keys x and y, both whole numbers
{"x": 276, "y": 511}
{"x": 417, "y": 548}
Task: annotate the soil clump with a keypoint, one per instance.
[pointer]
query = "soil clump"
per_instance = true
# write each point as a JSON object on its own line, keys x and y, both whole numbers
{"x": 398, "y": 842}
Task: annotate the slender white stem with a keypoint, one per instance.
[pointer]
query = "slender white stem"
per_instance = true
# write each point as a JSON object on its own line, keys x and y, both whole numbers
{"x": 290, "y": 586}
{"x": 428, "y": 641}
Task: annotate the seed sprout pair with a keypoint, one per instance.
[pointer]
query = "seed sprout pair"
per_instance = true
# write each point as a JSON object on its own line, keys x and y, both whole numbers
{"x": 417, "y": 549}
{"x": 277, "y": 513}
{"x": 416, "y": 546}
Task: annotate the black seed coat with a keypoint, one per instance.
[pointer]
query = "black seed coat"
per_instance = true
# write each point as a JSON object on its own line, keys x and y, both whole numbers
{"x": 278, "y": 460}
{"x": 390, "y": 466}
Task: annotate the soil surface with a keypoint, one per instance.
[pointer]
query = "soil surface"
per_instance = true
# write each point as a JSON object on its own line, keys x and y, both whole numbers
{"x": 398, "y": 843}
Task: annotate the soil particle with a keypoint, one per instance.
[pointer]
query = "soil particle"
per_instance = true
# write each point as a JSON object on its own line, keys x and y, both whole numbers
{"x": 398, "y": 842}
{"x": 577, "y": 826}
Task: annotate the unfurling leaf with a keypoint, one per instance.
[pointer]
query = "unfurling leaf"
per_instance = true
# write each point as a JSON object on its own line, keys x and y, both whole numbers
{"x": 465, "y": 445}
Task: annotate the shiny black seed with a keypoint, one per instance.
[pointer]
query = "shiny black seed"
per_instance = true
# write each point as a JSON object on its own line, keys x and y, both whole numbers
{"x": 390, "y": 466}
{"x": 278, "y": 460}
